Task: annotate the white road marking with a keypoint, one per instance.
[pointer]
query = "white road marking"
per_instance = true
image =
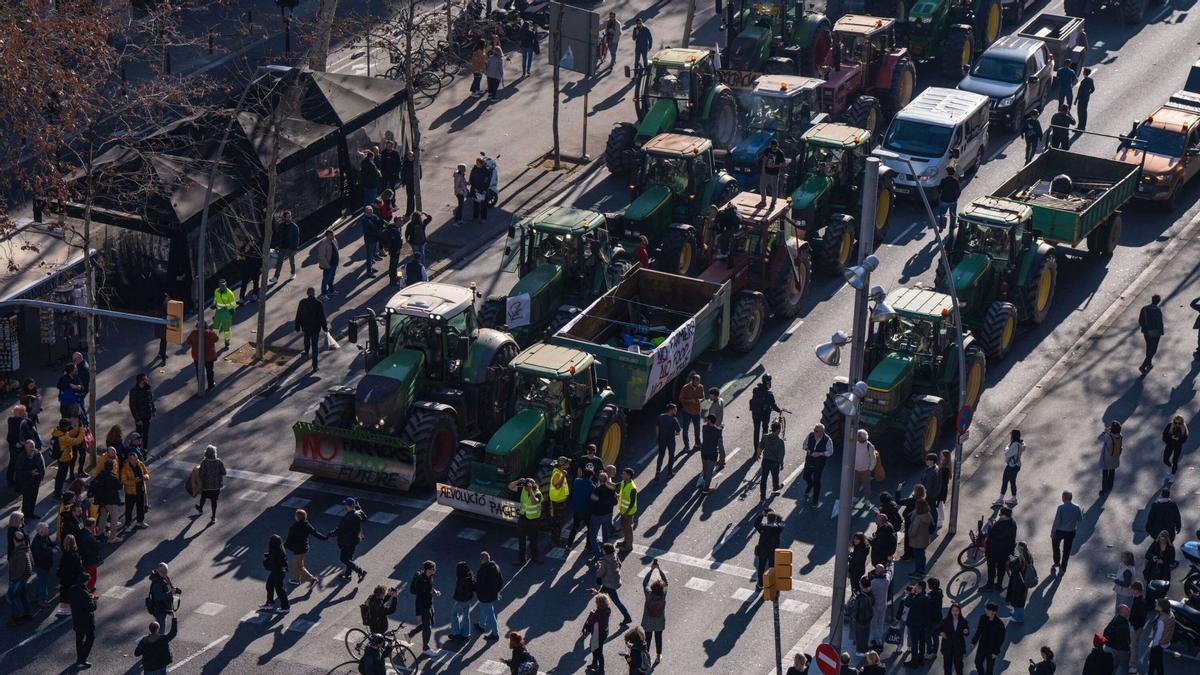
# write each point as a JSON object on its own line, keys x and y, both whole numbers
{"x": 742, "y": 594}
{"x": 167, "y": 481}
{"x": 382, "y": 517}
{"x": 470, "y": 534}
{"x": 254, "y": 617}
{"x": 295, "y": 502}
{"x": 252, "y": 495}
{"x": 117, "y": 592}
{"x": 728, "y": 457}
{"x": 905, "y": 232}
{"x": 425, "y": 525}
{"x": 210, "y": 609}
{"x": 794, "y": 606}
{"x": 335, "y": 510}
{"x": 646, "y": 457}
{"x": 793, "y": 328}
{"x": 557, "y": 554}
{"x": 725, "y": 568}
{"x": 302, "y": 626}
{"x": 340, "y": 636}
{"x": 792, "y": 476}
{"x": 698, "y": 584}
{"x": 203, "y": 649}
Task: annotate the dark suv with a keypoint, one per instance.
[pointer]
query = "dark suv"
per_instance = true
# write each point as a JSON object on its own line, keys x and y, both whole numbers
{"x": 1016, "y": 73}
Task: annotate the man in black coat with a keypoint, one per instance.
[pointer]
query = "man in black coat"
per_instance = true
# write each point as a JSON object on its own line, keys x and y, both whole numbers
{"x": 479, "y": 180}
{"x": 310, "y": 320}
{"x": 988, "y": 640}
{"x": 1060, "y": 128}
{"x": 1150, "y": 321}
{"x": 141, "y": 407}
{"x": 287, "y": 242}
{"x": 31, "y": 468}
{"x": 488, "y": 582}
{"x": 1099, "y": 661}
{"x": 762, "y": 404}
{"x": 389, "y": 165}
{"x": 1001, "y": 542}
{"x": 1163, "y": 516}
{"x": 393, "y": 241}
{"x": 769, "y": 527}
{"x": 883, "y": 540}
{"x": 347, "y": 535}
{"x": 408, "y": 175}
{"x": 414, "y": 232}
{"x": 83, "y": 619}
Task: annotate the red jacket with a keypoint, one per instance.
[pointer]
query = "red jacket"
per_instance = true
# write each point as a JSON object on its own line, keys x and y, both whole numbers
{"x": 210, "y": 345}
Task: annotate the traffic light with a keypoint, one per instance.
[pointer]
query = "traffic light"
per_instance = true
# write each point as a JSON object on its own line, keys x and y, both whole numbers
{"x": 175, "y": 322}
{"x": 770, "y": 592}
{"x": 782, "y": 571}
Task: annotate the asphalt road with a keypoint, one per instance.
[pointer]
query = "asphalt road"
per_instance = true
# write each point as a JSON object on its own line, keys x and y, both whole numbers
{"x": 715, "y": 622}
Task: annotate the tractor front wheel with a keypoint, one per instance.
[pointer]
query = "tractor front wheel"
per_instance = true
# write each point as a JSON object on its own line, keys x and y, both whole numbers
{"x": 722, "y": 121}
{"x": 1039, "y": 290}
{"x": 620, "y": 153}
{"x": 864, "y": 113}
{"x": 680, "y": 252}
{"x": 922, "y": 430}
{"x": 459, "y": 474}
{"x": 832, "y": 418}
{"x": 883, "y": 209}
{"x": 336, "y": 409}
{"x": 493, "y": 312}
{"x": 834, "y": 250}
{"x": 749, "y": 315}
{"x": 434, "y": 437}
{"x": 999, "y": 328}
{"x": 957, "y": 51}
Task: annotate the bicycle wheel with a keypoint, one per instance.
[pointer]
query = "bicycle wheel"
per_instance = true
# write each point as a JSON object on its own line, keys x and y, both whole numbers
{"x": 404, "y": 660}
{"x": 356, "y": 642}
{"x": 971, "y": 556}
{"x": 428, "y": 83}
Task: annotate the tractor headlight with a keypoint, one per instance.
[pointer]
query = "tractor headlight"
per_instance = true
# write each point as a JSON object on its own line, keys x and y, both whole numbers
{"x": 1007, "y": 101}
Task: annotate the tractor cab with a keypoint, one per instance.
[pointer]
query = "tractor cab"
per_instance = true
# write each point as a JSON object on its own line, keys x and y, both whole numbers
{"x": 996, "y": 228}
{"x": 432, "y": 323}
{"x": 912, "y": 345}
{"x": 783, "y": 105}
{"x": 862, "y": 41}
{"x": 560, "y": 243}
{"x": 676, "y": 86}
{"x": 746, "y": 248}
{"x": 754, "y": 31}
{"x": 681, "y": 164}
{"x": 833, "y": 157}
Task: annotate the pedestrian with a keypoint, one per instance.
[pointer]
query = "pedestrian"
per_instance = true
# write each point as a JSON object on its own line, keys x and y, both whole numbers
{"x": 31, "y": 469}
{"x": 690, "y": 397}
{"x": 422, "y": 587}
{"x": 494, "y": 70}
{"x": 161, "y": 600}
{"x": 953, "y": 633}
{"x": 936, "y": 597}
{"x": 769, "y": 527}
{"x": 949, "y": 190}
{"x": 478, "y": 63}
{"x": 874, "y": 664}
{"x": 1046, "y": 665}
{"x": 250, "y": 265}
{"x": 1163, "y": 516}
{"x": 276, "y": 564}
{"x": 1066, "y": 77}
{"x": 1160, "y": 558}
{"x": 883, "y": 540}
{"x": 643, "y": 41}
{"x": 668, "y": 428}
{"x": 464, "y": 592}
{"x": 945, "y": 486}
{"x": 1086, "y": 88}
{"x": 211, "y": 472}
{"x": 846, "y": 668}
{"x": 1174, "y": 436}
{"x": 931, "y": 479}
{"x": 1001, "y": 543}
{"x": 770, "y": 166}
{"x": 1099, "y": 661}
{"x": 155, "y": 648}
{"x": 63, "y": 443}
{"x": 818, "y": 448}
{"x": 460, "y": 192}
{"x": 372, "y": 229}
{"x": 862, "y": 609}
{"x": 638, "y": 653}
{"x": 910, "y": 510}
{"x": 141, "y": 407}
{"x": 347, "y": 535}
{"x": 710, "y": 453}
{"x": 84, "y": 377}
{"x": 389, "y": 165}
{"x": 327, "y": 262}
{"x": 1139, "y": 613}
{"x": 379, "y": 606}
{"x": 393, "y": 240}
{"x": 20, "y": 428}
{"x": 919, "y": 619}
{"x": 595, "y": 628}
{"x": 488, "y": 582}
{"x": 287, "y": 242}
{"x": 70, "y": 572}
{"x": 297, "y": 543}
{"x": 134, "y": 478}
{"x": 773, "y": 450}
{"x": 1012, "y": 465}
{"x": 480, "y": 180}
{"x": 799, "y": 665}
{"x": 627, "y": 508}
{"x": 1062, "y": 531}
{"x": 762, "y": 404}
{"x": 988, "y": 640}
{"x": 521, "y": 662}
{"x": 1162, "y": 631}
{"x": 654, "y": 610}
{"x": 1060, "y": 127}
{"x": 106, "y": 489}
{"x": 612, "y": 33}
{"x": 42, "y": 552}
{"x": 859, "y": 551}
{"x": 528, "y": 38}
{"x": 1021, "y": 577}
{"x": 210, "y": 353}
{"x": 559, "y": 493}
{"x": 224, "y": 303}
{"x": 1110, "y": 455}
{"x": 20, "y": 569}
{"x": 1123, "y": 580}
{"x": 529, "y": 519}
{"x": 866, "y": 458}
{"x": 1032, "y": 133}
{"x": 414, "y": 270}
{"x": 310, "y": 321}
{"x": 89, "y": 552}
{"x": 918, "y": 535}
{"x": 1118, "y": 633}
{"x": 369, "y": 178}
{"x": 608, "y": 576}
{"x": 881, "y": 591}
{"x": 83, "y": 620}
{"x": 373, "y": 661}
{"x": 69, "y": 396}
{"x": 414, "y": 232}
{"x": 581, "y": 502}
{"x": 642, "y": 253}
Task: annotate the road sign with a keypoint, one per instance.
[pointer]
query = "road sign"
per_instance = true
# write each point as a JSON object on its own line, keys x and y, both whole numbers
{"x": 579, "y": 38}
{"x": 964, "y": 419}
{"x": 827, "y": 659}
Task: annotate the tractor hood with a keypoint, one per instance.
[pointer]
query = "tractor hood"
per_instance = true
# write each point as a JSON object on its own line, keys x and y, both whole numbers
{"x": 383, "y": 395}
{"x": 648, "y": 203}
{"x": 892, "y": 371}
{"x": 537, "y": 281}
{"x": 523, "y": 434}
{"x": 746, "y": 47}
{"x": 659, "y": 118}
{"x": 748, "y": 151}
{"x": 812, "y": 189}
{"x": 968, "y": 272}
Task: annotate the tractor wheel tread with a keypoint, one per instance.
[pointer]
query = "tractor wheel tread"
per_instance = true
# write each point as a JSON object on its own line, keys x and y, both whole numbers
{"x": 992, "y": 336}
{"x": 831, "y": 417}
{"x": 621, "y": 155}
{"x": 916, "y": 431}
{"x": 785, "y": 278}
{"x": 1047, "y": 264}
{"x": 423, "y": 425}
{"x": 605, "y": 416}
{"x": 749, "y": 315}
{"x": 459, "y": 473}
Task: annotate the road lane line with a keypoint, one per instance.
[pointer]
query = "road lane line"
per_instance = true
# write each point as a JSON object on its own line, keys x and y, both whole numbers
{"x": 792, "y": 476}
{"x": 792, "y": 328}
{"x": 203, "y": 649}
{"x": 904, "y": 233}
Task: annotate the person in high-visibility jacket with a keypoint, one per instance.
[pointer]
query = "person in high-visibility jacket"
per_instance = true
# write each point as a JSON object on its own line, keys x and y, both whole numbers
{"x": 529, "y": 516}
{"x": 225, "y": 302}
{"x": 627, "y": 507}
{"x": 560, "y": 494}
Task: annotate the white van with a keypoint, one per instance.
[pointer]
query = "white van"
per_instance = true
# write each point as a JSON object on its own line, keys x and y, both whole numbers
{"x": 939, "y": 128}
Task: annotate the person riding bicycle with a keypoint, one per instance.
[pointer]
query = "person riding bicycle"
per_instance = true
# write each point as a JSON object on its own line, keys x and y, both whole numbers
{"x": 373, "y": 660}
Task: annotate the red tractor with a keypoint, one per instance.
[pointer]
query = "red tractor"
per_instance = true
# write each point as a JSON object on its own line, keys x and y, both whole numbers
{"x": 871, "y": 77}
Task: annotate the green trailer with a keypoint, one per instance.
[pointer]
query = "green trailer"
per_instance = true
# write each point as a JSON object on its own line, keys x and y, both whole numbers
{"x": 647, "y": 330}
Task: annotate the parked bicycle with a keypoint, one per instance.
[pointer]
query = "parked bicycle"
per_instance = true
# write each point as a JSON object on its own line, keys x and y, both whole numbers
{"x": 975, "y": 552}
{"x": 403, "y": 659}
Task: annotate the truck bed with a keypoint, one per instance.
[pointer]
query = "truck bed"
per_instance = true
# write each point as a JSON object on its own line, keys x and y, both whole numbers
{"x": 1062, "y": 35}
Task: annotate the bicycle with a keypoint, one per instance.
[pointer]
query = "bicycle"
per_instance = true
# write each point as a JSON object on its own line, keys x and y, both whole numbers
{"x": 403, "y": 659}
{"x": 975, "y": 552}
{"x": 602, "y": 49}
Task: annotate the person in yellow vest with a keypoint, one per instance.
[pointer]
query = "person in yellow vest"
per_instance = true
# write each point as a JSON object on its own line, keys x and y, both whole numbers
{"x": 134, "y": 477}
{"x": 560, "y": 493}
{"x": 627, "y": 507}
{"x": 67, "y": 440}
{"x": 225, "y": 302}
{"x": 529, "y": 516}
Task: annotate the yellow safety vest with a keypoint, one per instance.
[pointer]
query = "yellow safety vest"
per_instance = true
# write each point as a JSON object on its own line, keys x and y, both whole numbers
{"x": 627, "y": 501}
{"x": 559, "y": 494}
{"x": 224, "y": 299}
{"x": 529, "y": 508}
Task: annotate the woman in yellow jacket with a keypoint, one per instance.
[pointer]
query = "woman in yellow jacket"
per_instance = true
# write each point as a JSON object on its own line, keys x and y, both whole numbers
{"x": 133, "y": 477}
{"x": 68, "y": 441}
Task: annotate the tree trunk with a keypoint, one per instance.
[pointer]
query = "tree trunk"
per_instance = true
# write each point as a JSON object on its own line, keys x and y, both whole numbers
{"x": 687, "y": 24}
{"x": 414, "y": 125}
{"x": 318, "y": 54}
{"x": 556, "y": 50}
{"x": 89, "y": 280}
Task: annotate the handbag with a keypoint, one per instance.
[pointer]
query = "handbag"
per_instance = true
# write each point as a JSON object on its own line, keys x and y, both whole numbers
{"x": 330, "y": 343}
{"x": 880, "y": 474}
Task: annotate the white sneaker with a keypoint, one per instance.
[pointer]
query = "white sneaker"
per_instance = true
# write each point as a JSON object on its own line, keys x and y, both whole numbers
{"x": 430, "y": 653}
{"x": 292, "y": 277}
{"x": 999, "y": 501}
{"x": 141, "y": 526}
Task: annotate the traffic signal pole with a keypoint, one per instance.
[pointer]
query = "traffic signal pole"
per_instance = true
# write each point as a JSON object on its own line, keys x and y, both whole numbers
{"x": 777, "y": 579}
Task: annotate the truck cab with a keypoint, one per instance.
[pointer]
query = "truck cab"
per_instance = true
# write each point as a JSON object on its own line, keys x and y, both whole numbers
{"x": 1016, "y": 73}
{"x": 1167, "y": 146}
{"x": 782, "y": 107}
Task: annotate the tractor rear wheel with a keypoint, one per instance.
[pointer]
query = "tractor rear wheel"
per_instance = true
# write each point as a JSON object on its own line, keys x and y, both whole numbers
{"x": 922, "y": 430}
{"x": 749, "y": 315}
{"x": 680, "y": 252}
{"x": 459, "y": 474}
{"x": 336, "y": 409}
{"x": 831, "y": 417}
{"x": 989, "y": 16}
{"x": 1039, "y": 291}
{"x": 1105, "y": 239}
{"x": 863, "y": 113}
{"x": 722, "y": 121}
{"x": 1133, "y": 11}
{"x": 434, "y": 437}
{"x": 836, "y": 247}
{"x": 904, "y": 81}
{"x": 999, "y": 329}
{"x": 607, "y": 433}
{"x": 786, "y": 295}
{"x": 958, "y": 49}
{"x": 620, "y": 153}
{"x": 493, "y": 311}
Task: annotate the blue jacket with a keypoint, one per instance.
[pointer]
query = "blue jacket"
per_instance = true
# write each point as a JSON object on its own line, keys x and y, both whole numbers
{"x": 581, "y": 493}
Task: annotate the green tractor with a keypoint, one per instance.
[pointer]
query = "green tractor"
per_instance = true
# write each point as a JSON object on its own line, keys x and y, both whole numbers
{"x": 912, "y": 375}
{"x": 675, "y": 187}
{"x": 561, "y": 407}
{"x": 680, "y": 91}
{"x": 433, "y": 377}
{"x": 565, "y": 260}
{"x": 776, "y": 36}
{"x": 828, "y": 202}
{"x": 1003, "y": 273}
{"x": 952, "y": 32}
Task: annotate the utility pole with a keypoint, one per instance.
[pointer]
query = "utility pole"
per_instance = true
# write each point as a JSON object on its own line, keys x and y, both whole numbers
{"x": 687, "y": 24}
{"x": 556, "y": 54}
{"x": 866, "y": 237}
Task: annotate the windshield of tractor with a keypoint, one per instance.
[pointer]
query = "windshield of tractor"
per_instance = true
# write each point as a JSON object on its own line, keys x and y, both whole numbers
{"x": 666, "y": 170}
{"x": 917, "y": 139}
{"x": 670, "y": 82}
{"x": 999, "y": 70}
{"x": 911, "y": 336}
{"x": 1158, "y": 141}
{"x": 850, "y": 47}
{"x": 417, "y": 332}
{"x": 543, "y": 394}
{"x": 770, "y": 113}
{"x": 993, "y": 241}
{"x": 824, "y": 160}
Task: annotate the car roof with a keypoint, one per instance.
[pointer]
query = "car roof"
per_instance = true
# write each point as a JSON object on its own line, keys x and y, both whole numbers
{"x": 920, "y": 303}
{"x": 785, "y": 86}
{"x": 552, "y": 361}
{"x": 679, "y": 56}
{"x": 943, "y": 107}
{"x": 753, "y": 209}
{"x": 1013, "y": 47}
{"x": 677, "y": 144}
{"x": 1171, "y": 118}
{"x": 429, "y": 298}
{"x": 566, "y": 220}
{"x": 832, "y": 133}
{"x": 862, "y": 25}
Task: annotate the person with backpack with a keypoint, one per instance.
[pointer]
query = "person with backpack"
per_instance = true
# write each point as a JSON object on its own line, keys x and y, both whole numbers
{"x": 297, "y": 543}
{"x": 521, "y": 662}
{"x": 347, "y": 535}
{"x": 1021, "y": 577}
{"x": 464, "y": 592}
{"x": 488, "y": 582}
{"x": 422, "y": 587}
{"x": 654, "y": 611}
{"x": 106, "y": 489}
{"x": 1110, "y": 455}
{"x": 161, "y": 599}
{"x": 155, "y": 648}
{"x": 276, "y": 564}
{"x": 608, "y": 576}
{"x": 638, "y": 656}
{"x": 1032, "y": 132}
{"x": 379, "y": 606}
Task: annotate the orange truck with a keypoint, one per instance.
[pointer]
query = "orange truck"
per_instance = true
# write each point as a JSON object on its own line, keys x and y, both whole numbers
{"x": 1167, "y": 146}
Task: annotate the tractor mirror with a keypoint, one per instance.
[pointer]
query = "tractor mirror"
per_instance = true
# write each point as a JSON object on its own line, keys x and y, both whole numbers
{"x": 352, "y": 332}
